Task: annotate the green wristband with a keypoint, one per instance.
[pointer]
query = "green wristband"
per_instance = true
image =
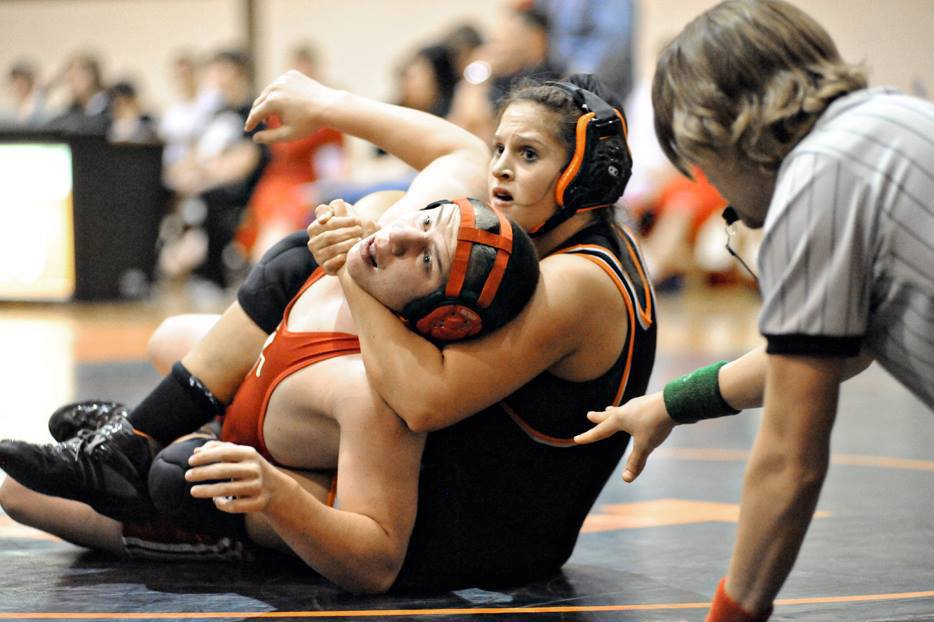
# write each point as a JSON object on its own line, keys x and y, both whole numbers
{"x": 697, "y": 396}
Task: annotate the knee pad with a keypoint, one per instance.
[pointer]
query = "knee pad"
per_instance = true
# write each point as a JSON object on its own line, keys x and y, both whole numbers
{"x": 171, "y": 494}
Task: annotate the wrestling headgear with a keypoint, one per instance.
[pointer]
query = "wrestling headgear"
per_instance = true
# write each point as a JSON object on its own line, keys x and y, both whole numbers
{"x": 601, "y": 164}
{"x": 493, "y": 275}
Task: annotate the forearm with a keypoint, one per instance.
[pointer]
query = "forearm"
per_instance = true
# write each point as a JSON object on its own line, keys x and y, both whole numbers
{"x": 352, "y": 550}
{"x": 742, "y": 381}
{"x": 389, "y": 368}
{"x": 415, "y": 137}
{"x": 785, "y": 473}
{"x": 779, "y": 498}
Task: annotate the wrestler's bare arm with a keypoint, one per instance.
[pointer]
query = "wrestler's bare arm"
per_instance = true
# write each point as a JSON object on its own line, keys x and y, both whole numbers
{"x": 361, "y": 545}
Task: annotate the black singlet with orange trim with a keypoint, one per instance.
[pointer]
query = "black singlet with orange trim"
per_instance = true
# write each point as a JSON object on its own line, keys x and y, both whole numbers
{"x": 503, "y": 493}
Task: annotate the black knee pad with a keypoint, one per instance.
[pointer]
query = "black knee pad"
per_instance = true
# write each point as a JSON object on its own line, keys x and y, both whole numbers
{"x": 171, "y": 494}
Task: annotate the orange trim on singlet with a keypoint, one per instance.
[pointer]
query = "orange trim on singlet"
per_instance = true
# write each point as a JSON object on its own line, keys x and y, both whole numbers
{"x": 541, "y": 437}
{"x": 575, "y": 164}
{"x": 627, "y": 298}
{"x": 332, "y": 491}
{"x": 646, "y": 313}
{"x": 633, "y": 248}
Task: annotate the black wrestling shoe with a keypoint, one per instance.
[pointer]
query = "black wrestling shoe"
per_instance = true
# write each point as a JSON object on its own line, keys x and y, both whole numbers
{"x": 107, "y": 468}
{"x": 70, "y": 419}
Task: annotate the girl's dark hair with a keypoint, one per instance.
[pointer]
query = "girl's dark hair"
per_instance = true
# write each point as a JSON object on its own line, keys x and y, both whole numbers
{"x": 560, "y": 102}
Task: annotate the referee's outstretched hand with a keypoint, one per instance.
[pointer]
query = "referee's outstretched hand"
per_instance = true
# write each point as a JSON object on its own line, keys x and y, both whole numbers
{"x": 292, "y": 106}
{"x": 644, "y": 418}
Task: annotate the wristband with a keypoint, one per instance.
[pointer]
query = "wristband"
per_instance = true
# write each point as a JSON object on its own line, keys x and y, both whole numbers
{"x": 697, "y": 396}
{"x": 725, "y": 609}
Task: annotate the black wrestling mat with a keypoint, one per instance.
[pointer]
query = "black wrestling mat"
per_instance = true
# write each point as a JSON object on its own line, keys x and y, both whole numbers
{"x": 652, "y": 550}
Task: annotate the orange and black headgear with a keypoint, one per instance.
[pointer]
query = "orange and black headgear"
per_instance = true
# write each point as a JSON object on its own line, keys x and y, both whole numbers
{"x": 601, "y": 164}
{"x": 493, "y": 275}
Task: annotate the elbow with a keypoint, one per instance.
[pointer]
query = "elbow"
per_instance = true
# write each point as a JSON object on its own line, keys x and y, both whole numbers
{"x": 371, "y": 584}
{"x": 421, "y": 422}
{"x": 374, "y": 578}
{"x": 422, "y": 416}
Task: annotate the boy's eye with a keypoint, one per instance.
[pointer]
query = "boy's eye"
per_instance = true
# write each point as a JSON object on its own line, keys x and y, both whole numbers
{"x": 426, "y": 260}
{"x": 426, "y": 222}
{"x": 529, "y": 154}
{"x": 497, "y": 148}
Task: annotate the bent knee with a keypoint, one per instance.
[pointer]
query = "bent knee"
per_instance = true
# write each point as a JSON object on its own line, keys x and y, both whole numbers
{"x": 175, "y": 336}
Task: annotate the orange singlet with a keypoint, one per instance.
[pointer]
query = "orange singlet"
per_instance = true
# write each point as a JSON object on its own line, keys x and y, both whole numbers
{"x": 284, "y": 353}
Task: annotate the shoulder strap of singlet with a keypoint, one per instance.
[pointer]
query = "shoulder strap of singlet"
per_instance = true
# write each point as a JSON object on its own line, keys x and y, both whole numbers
{"x": 639, "y": 305}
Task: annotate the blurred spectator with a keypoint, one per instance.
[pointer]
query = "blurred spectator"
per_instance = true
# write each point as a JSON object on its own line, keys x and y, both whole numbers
{"x": 27, "y": 96}
{"x": 189, "y": 113}
{"x": 427, "y": 80}
{"x": 283, "y": 201}
{"x": 593, "y": 36}
{"x": 518, "y": 48}
{"x": 129, "y": 124}
{"x": 462, "y": 41}
{"x": 306, "y": 59}
{"x": 217, "y": 177}
{"x": 88, "y": 107}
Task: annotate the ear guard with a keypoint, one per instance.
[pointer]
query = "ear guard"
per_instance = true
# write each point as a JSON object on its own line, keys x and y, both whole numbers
{"x": 601, "y": 164}
{"x": 457, "y": 310}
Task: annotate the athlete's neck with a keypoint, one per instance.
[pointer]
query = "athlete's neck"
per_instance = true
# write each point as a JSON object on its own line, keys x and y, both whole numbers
{"x": 557, "y": 236}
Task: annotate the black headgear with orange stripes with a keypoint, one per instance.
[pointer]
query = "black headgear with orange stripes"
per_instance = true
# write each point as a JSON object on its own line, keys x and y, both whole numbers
{"x": 601, "y": 163}
{"x": 493, "y": 275}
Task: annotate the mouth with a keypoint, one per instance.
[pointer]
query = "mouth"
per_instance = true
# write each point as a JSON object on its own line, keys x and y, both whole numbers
{"x": 368, "y": 252}
{"x": 501, "y": 195}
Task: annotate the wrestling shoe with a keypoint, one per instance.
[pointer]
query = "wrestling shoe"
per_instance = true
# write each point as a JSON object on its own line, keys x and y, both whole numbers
{"x": 70, "y": 419}
{"x": 106, "y": 468}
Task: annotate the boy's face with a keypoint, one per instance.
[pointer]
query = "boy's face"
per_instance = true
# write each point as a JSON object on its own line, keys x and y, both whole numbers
{"x": 408, "y": 259}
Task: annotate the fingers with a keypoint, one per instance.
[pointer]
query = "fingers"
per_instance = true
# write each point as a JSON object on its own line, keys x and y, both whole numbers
{"x": 329, "y": 228}
{"x": 603, "y": 430}
{"x": 340, "y": 207}
{"x": 636, "y": 463}
{"x": 597, "y": 416}
{"x": 218, "y": 451}
{"x": 257, "y": 114}
{"x": 273, "y": 135}
{"x": 222, "y": 471}
{"x": 238, "y": 505}
{"x": 334, "y": 258}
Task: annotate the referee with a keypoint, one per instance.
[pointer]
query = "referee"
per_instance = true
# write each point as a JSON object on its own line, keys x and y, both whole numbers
{"x": 841, "y": 178}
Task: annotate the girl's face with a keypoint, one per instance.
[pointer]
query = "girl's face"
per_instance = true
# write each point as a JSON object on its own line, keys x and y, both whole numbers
{"x": 527, "y": 160}
{"x": 408, "y": 259}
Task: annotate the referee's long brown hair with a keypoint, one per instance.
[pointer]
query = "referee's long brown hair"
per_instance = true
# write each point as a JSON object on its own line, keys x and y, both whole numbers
{"x": 750, "y": 77}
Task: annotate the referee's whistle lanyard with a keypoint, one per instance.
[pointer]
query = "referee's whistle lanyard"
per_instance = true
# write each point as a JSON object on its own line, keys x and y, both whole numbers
{"x": 730, "y": 217}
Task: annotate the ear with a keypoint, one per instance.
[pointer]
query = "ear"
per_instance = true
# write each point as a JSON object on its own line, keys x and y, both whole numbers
{"x": 450, "y": 322}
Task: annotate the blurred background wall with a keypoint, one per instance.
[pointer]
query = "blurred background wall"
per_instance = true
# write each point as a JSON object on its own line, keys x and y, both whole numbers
{"x": 362, "y": 41}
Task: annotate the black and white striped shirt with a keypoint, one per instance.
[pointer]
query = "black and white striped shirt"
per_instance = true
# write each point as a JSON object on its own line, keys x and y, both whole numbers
{"x": 847, "y": 258}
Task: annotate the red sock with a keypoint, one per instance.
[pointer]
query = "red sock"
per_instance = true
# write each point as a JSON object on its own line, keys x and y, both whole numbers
{"x": 725, "y": 609}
